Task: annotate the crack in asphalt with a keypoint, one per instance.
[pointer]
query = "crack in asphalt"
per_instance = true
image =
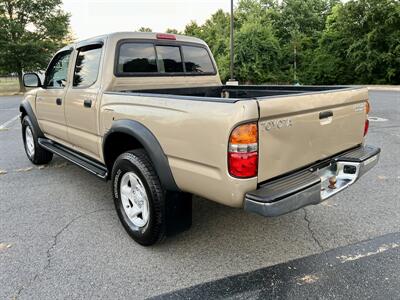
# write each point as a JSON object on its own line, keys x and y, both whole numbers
{"x": 53, "y": 245}
{"x": 313, "y": 235}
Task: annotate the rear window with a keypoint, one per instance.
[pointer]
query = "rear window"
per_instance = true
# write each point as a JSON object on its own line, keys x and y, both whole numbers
{"x": 169, "y": 59}
{"x": 137, "y": 58}
{"x": 197, "y": 60}
{"x": 151, "y": 58}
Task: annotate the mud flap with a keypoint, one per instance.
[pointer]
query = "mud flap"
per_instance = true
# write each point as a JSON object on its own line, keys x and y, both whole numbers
{"x": 178, "y": 212}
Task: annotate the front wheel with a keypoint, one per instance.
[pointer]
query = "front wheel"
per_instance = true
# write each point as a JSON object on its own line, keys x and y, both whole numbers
{"x": 35, "y": 153}
{"x": 139, "y": 198}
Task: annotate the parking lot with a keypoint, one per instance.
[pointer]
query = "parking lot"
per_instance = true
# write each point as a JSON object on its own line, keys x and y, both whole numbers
{"x": 60, "y": 236}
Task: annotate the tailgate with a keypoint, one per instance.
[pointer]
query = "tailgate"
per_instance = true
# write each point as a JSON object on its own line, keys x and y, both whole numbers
{"x": 296, "y": 131}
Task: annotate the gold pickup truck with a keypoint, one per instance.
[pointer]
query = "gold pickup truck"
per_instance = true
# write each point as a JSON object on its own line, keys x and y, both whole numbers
{"x": 149, "y": 112}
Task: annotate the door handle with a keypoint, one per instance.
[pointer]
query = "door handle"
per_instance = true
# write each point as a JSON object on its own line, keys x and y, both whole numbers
{"x": 325, "y": 114}
{"x": 87, "y": 103}
{"x": 58, "y": 101}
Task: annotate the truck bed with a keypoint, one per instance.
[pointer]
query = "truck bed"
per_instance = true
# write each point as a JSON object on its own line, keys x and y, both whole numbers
{"x": 241, "y": 92}
{"x": 298, "y": 125}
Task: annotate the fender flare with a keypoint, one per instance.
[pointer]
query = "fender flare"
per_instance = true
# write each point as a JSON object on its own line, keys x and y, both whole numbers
{"x": 153, "y": 148}
{"x": 26, "y": 106}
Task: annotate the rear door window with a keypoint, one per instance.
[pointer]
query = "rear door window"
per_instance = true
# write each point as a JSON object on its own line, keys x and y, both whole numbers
{"x": 197, "y": 60}
{"x": 137, "y": 58}
{"x": 87, "y": 66}
{"x": 169, "y": 59}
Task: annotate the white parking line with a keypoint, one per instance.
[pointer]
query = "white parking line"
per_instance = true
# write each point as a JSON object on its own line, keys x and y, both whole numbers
{"x": 377, "y": 119}
{"x": 381, "y": 249}
{"x": 4, "y": 125}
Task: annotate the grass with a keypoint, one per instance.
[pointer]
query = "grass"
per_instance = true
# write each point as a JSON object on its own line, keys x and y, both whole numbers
{"x": 9, "y": 85}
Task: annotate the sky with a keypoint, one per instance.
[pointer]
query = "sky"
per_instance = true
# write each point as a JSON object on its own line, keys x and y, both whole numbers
{"x": 95, "y": 17}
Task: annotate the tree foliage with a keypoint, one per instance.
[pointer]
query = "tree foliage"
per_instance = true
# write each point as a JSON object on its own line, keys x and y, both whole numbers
{"x": 172, "y": 30}
{"x": 30, "y": 32}
{"x": 276, "y": 41}
{"x": 362, "y": 42}
{"x": 257, "y": 54}
{"x": 145, "y": 29}
{"x": 329, "y": 41}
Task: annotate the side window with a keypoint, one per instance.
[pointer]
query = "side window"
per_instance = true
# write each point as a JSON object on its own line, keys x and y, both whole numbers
{"x": 169, "y": 59}
{"x": 197, "y": 60}
{"x": 87, "y": 66}
{"x": 137, "y": 58}
{"x": 56, "y": 75}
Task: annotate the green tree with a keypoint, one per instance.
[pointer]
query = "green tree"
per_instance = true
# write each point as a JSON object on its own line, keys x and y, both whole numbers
{"x": 145, "y": 29}
{"x": 362, "y": 41}
{"x": 305, "y": 17}
{"x": 193, "y": 29}
{"x": 263, "y": 11}
{"x": 172, "y": 30}
{"x": 298, "y": 25}
{"x": 257, "y": 54}
{"x": 30, "y": 32}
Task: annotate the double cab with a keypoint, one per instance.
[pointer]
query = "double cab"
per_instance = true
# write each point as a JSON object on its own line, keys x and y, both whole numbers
{"x": 149, "y": 112}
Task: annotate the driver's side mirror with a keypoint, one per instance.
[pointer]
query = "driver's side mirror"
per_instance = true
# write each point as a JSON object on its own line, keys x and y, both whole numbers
{"x": 32, "y": 80}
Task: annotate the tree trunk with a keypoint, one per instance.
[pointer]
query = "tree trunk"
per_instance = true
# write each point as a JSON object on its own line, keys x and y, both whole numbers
{"x": 21, "y": 83}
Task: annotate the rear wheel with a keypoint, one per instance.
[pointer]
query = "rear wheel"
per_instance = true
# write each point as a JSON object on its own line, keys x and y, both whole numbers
{"x": 35, "y": 153}
{"x": 139, "y": 198}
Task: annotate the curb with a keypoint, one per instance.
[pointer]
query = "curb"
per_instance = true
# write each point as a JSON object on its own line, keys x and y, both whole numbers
{"x": 384, "y": 88}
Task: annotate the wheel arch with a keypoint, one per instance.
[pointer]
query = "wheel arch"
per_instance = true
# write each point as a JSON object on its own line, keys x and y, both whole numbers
{"x": 26, "y": 110}
{"x": 136, "y": 135}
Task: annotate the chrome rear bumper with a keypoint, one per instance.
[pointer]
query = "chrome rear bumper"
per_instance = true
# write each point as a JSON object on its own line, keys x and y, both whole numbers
{"x": 312, "y": 185}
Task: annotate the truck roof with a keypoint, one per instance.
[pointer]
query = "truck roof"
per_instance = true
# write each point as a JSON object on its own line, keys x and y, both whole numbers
{"x": 111, "y": 82}
{"x": 138, "y": 35}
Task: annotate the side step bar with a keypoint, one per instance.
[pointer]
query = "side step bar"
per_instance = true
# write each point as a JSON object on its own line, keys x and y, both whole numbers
{"x": 82, "y": 161}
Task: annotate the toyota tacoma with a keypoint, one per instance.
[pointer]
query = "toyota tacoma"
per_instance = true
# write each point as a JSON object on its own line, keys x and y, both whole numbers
{"x": 148, "y": 111}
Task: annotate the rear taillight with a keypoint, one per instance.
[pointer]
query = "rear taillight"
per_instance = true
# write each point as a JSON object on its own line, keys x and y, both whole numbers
{"x": 243, "y": 151}
{"x": 366, "y": 127}
{"x": 367, "y": 110}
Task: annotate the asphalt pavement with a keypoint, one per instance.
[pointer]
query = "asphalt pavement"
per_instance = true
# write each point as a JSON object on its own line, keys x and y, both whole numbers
{"x": 60, "y": 236}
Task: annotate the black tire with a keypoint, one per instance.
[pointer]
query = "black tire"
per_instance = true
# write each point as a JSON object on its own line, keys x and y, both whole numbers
{"x": 137, "y": 162}
{"x": 39, "y": 156}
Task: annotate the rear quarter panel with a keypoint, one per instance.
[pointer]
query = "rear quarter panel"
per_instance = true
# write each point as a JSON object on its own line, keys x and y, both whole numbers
{"x": 193, "y": 135}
